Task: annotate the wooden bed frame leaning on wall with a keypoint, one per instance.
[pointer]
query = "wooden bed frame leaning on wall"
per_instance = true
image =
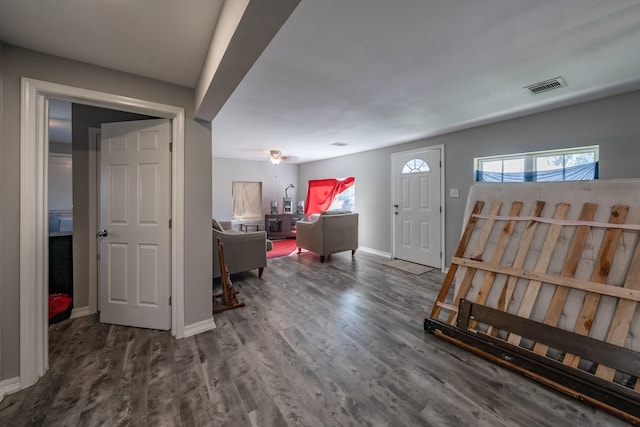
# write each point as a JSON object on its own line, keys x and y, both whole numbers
{"x": 602, "y": 372}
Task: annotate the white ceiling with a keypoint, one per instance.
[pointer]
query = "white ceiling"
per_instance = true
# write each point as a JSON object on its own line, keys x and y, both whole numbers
{"x": 374, "y": 73}
{"x": 162, "y": 39}
{"x": 369, "y": 73}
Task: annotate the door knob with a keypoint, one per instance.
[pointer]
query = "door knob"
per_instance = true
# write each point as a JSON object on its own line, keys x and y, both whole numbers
{"x": 102, "y": 233}
{"x": 395, "y": 206}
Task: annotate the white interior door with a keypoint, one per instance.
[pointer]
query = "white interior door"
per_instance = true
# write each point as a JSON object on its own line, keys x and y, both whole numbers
{"x": 417, "y": 207}
{"x": 135, "y": 238}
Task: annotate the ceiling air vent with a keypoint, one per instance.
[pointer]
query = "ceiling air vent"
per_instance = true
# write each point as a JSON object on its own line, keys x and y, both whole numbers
{"x": 546, "y": 86}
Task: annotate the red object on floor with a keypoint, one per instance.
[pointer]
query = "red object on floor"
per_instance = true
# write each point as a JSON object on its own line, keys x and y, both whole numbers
{"x": 58, "y": 303}
{"x": 282, "y": 247}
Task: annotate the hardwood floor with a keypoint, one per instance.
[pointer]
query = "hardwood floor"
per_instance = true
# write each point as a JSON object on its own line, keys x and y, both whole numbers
{"x": 335, "y": 344}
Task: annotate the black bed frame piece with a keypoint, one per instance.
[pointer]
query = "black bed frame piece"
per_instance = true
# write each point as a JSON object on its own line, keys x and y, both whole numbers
{"x": 617, "y": 398}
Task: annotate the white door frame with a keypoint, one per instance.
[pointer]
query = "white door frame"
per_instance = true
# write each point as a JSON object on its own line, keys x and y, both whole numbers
{"x": 34, "y": 148}
{"x": 394, "y": 156}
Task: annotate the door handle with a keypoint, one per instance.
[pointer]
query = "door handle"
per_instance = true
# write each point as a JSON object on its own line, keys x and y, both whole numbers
{"x": 102, "y": 233}
{"x": 395, "y": 206}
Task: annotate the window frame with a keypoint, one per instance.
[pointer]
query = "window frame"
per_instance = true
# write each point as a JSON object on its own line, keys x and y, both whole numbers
{"x": 411, "y": 169}
{"x": 530, "y": 159}
{"x": 321, "y": 193}
{"x": 348, "y": 196}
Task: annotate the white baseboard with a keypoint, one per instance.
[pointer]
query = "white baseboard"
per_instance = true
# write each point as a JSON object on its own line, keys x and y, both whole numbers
{"x": 80, "y": 312}
{"x": 388, "y": 255}
{"x": 199, "y": 327}
{"x": 9, "y": 386}
{"x": 374, "y": 251}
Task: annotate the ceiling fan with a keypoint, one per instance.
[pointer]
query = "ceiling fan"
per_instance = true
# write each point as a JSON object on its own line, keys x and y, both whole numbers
{"x": 276, "y": 157}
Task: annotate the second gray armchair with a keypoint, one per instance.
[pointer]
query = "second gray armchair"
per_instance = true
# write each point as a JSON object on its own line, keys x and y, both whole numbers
{"x": 332, "y": 232}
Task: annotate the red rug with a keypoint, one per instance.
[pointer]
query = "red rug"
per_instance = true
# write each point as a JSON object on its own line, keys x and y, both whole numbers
{"x": 282, "y": 247}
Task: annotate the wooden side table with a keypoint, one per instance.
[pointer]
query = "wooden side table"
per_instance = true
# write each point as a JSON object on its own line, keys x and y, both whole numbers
{"x": 281, "y": 226}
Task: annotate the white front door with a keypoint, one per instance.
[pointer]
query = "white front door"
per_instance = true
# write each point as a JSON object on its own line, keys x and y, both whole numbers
{"x": 135, "y": 238}
{"x": 417, "y": 207}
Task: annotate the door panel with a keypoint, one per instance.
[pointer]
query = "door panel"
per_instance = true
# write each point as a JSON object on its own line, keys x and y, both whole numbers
{"x": 135, "y": 260}
{"x": 117, "y": 278}
{"x": 406, "y": 234}
{"x": 119, "y": 175}
{"x": 425, "y": 201}
{"x": 148, "y": 189}
{"x": 406, "y": 193}
{"x": 149, "y": 283}
{"x": 417, "y": 215}
{"x": 425, "y": 236}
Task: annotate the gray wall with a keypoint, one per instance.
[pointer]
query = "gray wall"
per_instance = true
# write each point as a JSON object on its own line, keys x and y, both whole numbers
{"x": 17, "y": 63}
{"x": 3, "y": 294}
{"x": 59, "y": 147}
{"x": 613, "y": 123}
{"x": 84, "y": 117}
{"x": 274, "y": 180}
{"x": 372, "y": 171}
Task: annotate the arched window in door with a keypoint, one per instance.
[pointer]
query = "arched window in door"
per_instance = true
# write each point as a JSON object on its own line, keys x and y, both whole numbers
{"x": 415, "y": 166}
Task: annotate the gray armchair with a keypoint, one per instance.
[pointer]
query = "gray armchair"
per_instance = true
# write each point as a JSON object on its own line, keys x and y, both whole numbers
{"x": 242, "y": 251}
{"x": 332, "y": 232}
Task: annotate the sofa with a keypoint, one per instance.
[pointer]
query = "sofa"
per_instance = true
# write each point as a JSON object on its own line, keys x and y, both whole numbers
{"x": 331, "y": 232}
{"x": 242, "y": 251}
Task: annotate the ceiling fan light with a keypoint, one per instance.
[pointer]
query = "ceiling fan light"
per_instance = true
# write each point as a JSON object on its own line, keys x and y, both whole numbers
{"x": 276, "y": 157}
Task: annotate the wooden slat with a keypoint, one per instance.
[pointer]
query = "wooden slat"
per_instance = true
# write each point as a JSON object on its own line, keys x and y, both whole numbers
{"x": 476, "y": 254}
{"x": 533, "y": 288}
{"x": 453, "y": 268}
{"x": 518, "y": 262}
{"x": 600, "y": 274}
{"x": 568, "y": 270}
{"x": 501, "y": 247}
{"x": 521, "y": 255}
{"x": 569, "y": 282}
{"x": 621, "y": 322}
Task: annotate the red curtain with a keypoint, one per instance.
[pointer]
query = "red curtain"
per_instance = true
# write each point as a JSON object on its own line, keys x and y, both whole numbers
{"x": 321, "y": 193}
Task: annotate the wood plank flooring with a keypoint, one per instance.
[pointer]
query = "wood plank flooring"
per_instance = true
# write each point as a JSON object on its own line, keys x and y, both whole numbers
{"x": 333, "y": 344}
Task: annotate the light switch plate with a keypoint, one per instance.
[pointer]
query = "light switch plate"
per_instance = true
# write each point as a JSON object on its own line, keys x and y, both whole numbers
{"x": 454, "y": 192}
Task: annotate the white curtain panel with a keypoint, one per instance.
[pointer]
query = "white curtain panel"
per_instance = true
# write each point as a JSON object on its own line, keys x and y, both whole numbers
{"x": 247, "y": 200}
